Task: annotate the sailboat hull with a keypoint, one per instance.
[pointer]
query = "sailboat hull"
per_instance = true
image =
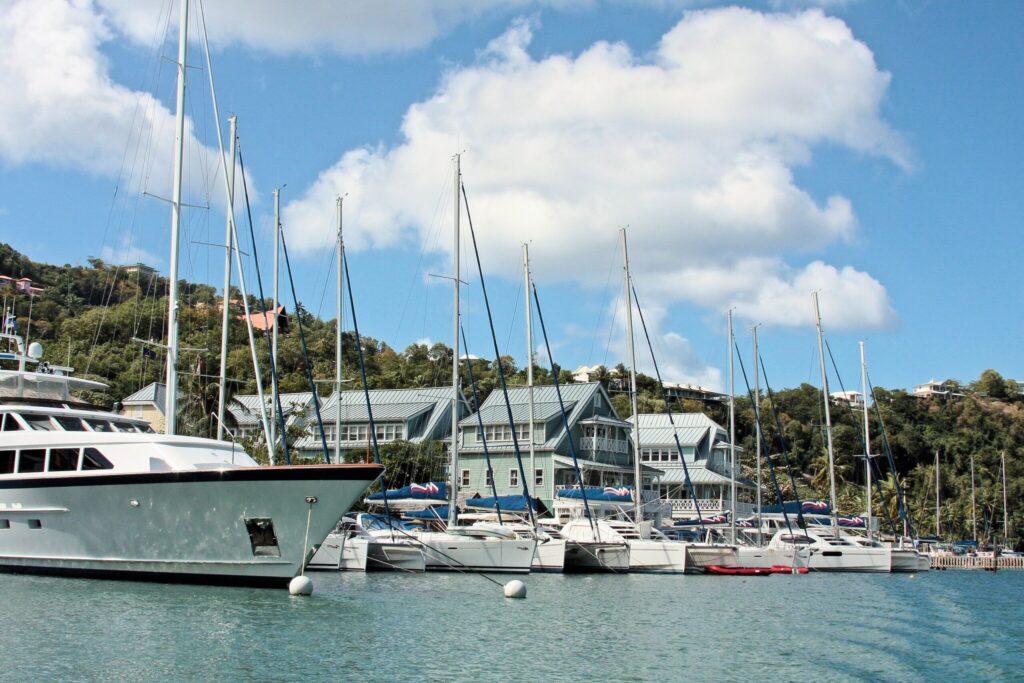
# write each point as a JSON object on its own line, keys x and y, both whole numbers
{"x": 453, "y": 552}
{"x": 596, "y": 556}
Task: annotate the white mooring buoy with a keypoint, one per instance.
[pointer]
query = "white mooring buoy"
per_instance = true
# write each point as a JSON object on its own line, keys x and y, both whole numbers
{"x": 515, "y": 589}
{"x": 302, "y": 585}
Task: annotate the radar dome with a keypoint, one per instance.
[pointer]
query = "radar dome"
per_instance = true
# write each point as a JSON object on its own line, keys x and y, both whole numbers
{"x": 35, "y": 350}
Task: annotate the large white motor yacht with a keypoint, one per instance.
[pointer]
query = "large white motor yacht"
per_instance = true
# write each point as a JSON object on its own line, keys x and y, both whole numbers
{"x": 86, "y": 492}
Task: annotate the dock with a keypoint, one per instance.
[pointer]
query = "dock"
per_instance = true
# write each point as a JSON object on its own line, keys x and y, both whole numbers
{"x": 973, "y": 562}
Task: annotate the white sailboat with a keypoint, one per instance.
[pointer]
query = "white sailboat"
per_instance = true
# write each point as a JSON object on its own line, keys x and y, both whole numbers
{"x": 645, "y": 554}
{"x": 86, "y": 492}
{"x": 363, "y": 543}
{"x": 490, "y": 549}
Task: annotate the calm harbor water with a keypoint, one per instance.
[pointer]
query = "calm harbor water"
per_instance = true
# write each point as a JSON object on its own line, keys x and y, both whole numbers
{"x": 397, "y": 627}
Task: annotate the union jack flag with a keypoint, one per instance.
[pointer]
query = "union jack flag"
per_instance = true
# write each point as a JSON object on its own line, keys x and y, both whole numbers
{"x": 430, "y": 487}
{"x": 612, "y": 491}
{"x": 815, "y": 505}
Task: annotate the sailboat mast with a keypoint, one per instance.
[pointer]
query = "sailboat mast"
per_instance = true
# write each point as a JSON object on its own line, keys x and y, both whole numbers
{"x": 828, "y": 416}
{"x": 171, "y": 406}
{"x": 974, "y": 510}
{"x": 1006, "y": 518}
{"x": 225, "y": 317}
{"x": 454, "y": 466}
{"x": 337, "y": 345}
{"x": 637, "y": 466}
{"x": 529, "y": 360}
{"x": 936, "y": 493}
{"x": 732, "y": 437}
{"x": 273, "y": 338}
{"x": 757, "y": 432}
{"x": 867, "y": 432}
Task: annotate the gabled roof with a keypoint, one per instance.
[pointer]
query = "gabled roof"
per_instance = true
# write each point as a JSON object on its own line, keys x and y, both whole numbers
{"x": 155, "y": 393}
{"x": 391, "y": 405}
{"x": 576, "y": 396}
{"x": 246, "y": 408}
{"x": 498, "y": 413}
{"x": 657, "y": 430}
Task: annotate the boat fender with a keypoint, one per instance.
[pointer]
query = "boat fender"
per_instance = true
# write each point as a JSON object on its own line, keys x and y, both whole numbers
{"x": 515, "y": 589}
{"x": 300, "y": 585}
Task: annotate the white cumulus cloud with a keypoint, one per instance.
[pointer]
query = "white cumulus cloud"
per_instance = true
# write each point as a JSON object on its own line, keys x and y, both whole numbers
{"x": 60, "y": 106}
{"x": 693, "y": 145}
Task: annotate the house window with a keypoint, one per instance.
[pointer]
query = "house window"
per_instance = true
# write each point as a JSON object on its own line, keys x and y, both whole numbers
{"x": 523, "y": 432}
{"x": 513, "y": 477}
{"x": 538, "y": 477}
{"x": 466, "y": 478}
{"x": 489, "y": 476}
{"x": 497, "y": 433}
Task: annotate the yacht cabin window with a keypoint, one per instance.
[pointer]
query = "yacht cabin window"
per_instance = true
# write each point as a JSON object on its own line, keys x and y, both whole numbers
{"x": 92, "y": 459}
{"x": 11, "y": 423}
{"x": 39, "y": 422}
{"x": 32, "y": 460}
{"x": 69, "y": 424}
{"x": 99, "y": 425}
{"x": 6, "y": 462}
{"x": 63, "y": 460}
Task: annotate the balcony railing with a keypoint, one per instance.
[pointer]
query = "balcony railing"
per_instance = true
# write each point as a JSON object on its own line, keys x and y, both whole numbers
{"x": 601, "y": 443}
{"x": 710, "y": 505}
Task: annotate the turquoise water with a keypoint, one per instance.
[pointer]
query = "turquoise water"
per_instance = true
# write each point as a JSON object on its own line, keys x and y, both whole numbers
{"x": 397, "y": 627}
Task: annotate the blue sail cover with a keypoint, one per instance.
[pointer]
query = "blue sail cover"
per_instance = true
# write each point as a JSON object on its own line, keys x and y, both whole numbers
{"x": 435, "y": 490}
{"x": 807, "y": 507}
{"x": 506, "y": 503}
{"x": 608, "y": 494}
{"x": 439, "y": 512}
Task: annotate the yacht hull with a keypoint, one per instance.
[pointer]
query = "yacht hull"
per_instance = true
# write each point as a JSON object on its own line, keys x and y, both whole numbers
{"x": 596, "y": 556}
{"x": 904, "y": 560}
{"x": 339, "y": 552}
{"x": 850, "y": 559}
{"x": 236, "y": 526}
{"x": 701, "y": 555}
{"x": 750, "y": 557}
{"x": 658, "y": 557}
{"x": 453, "y": 552}
{"x": 549, "y": 556}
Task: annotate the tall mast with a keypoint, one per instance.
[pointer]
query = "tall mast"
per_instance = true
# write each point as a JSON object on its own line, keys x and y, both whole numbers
{"x": 529, "y": 359}
{"x": 974, "y": 511}
{"x": 171, "y": 405}
{"x": 1006, "y": 518}
{"x": 225, "y": 318}
{"x": 637, "y": 466}
{"x": 273, "y": 337}
{"x": 454, "y": 466}
{"x": 337, "y": 347}
{"x": 936, "y": 493}
{"x": 757, "y": 431}
{"x": 867, "y": 432}
{"x": 828, "y": 416}
{"x": 732, "y": 438}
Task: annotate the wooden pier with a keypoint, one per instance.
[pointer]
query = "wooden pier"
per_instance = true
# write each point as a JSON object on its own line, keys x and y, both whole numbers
{"x": 968, "y": 562}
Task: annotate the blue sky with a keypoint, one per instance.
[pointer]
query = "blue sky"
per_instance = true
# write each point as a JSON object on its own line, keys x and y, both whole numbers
{"x": 756, "y": 151}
